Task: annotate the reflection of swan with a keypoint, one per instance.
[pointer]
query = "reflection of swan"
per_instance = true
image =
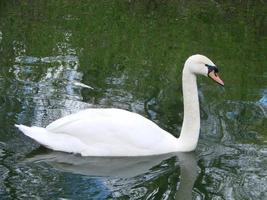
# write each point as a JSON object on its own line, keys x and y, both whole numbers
{"x": 120, "y": 167}
{"x": 125, "y": 167}
{"x": 188, "y": 176}
{"x": 115, "y": 132}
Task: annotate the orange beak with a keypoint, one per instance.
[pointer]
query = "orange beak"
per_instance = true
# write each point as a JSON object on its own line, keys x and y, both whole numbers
{"x": 214, "y": 76}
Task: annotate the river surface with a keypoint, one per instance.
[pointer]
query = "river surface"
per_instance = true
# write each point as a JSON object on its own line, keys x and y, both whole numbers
{"x": 59, "y": 57}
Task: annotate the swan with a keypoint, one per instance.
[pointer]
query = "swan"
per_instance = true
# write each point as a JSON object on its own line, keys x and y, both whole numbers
{"x": 118, "y": 133}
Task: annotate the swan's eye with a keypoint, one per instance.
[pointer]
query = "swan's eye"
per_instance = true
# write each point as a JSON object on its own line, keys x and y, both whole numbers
{"x": 212, "y": 68}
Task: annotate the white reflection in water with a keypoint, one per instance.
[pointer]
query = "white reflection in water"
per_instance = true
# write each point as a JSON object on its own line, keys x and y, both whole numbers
{"x": 1, "y": 36}
{"x": 263, "y": 102}
{"x": 55, "y": 92}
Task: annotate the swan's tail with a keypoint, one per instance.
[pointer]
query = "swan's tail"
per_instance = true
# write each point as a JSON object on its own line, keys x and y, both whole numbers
{"x": 29, "y": 131}
{"x": 40, "y": 135}
{"x": 55, "y": 141}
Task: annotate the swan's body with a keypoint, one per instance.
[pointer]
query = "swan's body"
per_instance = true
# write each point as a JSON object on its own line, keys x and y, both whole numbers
{"x": 116, "y": 132}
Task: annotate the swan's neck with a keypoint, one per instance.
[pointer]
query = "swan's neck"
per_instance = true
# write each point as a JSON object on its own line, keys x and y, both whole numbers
{"x": 191, "y": 123}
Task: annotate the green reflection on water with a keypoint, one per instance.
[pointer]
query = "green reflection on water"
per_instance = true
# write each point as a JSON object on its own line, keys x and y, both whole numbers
{"x": 132, "y": 53}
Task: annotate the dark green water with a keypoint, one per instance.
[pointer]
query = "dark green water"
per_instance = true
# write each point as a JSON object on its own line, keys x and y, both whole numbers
{"x": 131, "y": 53}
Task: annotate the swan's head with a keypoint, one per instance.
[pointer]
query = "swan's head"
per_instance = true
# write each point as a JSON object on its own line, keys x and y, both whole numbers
{"x": 199, "y": 64}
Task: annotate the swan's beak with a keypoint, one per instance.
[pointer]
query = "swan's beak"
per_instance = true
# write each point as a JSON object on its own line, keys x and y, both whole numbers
{"x": 214, "y": 76}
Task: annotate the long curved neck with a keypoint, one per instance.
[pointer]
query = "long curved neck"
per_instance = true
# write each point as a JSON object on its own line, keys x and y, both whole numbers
{"x": 191, "y": 123}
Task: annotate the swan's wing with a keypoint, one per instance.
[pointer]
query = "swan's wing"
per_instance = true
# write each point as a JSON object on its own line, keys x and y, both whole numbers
{"x": 91, "y": 116}
{"x": 113, "y": 129}
{"x": 55, "y": 125}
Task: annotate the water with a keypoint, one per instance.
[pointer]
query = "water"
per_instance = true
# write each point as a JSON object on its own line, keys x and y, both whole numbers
{"x": 58, "y": 57}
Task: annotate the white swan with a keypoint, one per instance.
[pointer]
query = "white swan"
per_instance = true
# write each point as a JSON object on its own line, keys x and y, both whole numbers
{"x": 116, "y": 132}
